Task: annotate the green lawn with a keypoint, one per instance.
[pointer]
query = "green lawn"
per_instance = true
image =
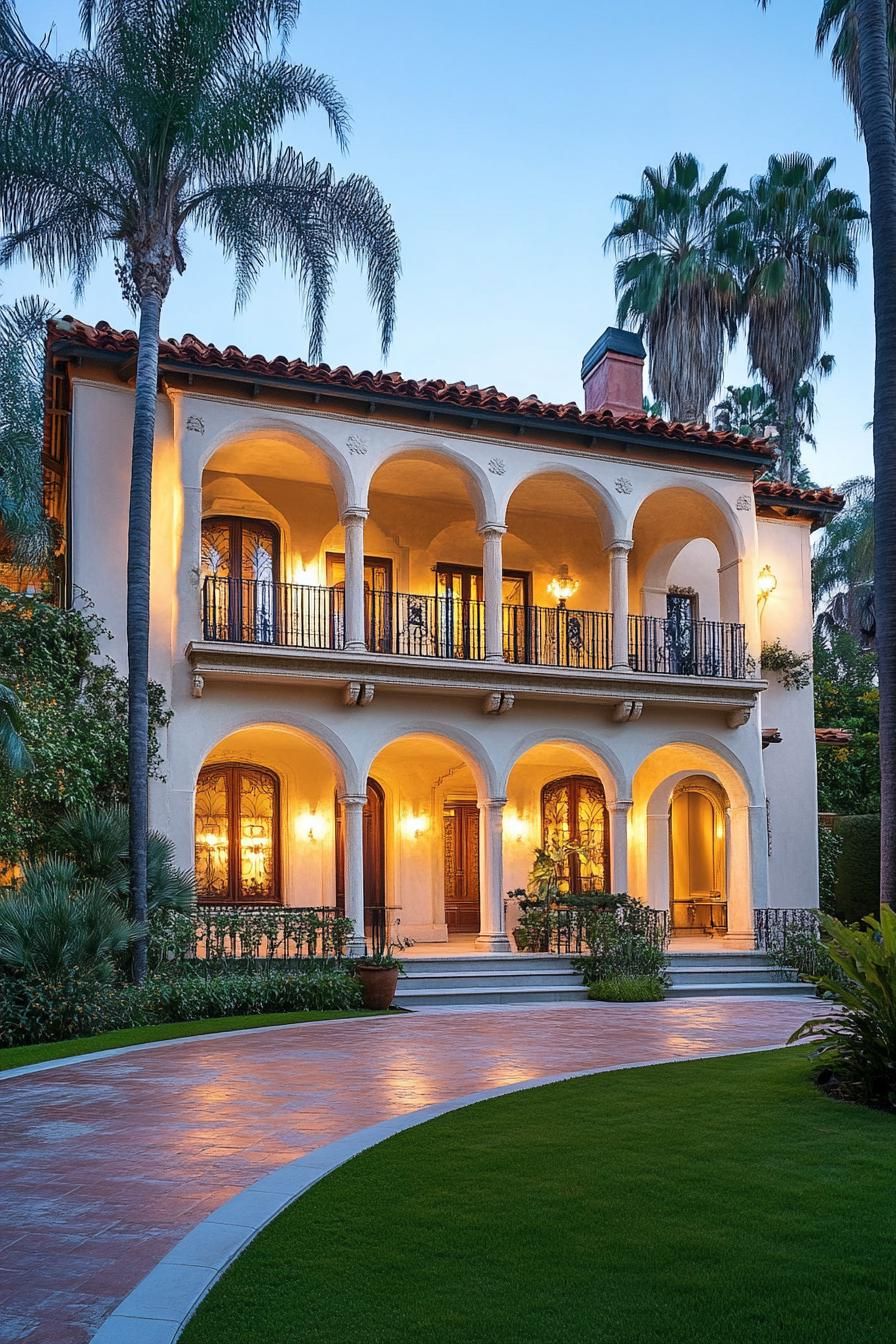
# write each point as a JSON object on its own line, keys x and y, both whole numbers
{"x": 14, "y": 1057}
{"x": 714, "y": 1200}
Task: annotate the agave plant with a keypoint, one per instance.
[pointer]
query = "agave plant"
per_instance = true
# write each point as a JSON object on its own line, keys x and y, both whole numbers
{"x": 857, "y": 1054}
{"x": 95, "y": 839}
{"x": 56, "y": 924}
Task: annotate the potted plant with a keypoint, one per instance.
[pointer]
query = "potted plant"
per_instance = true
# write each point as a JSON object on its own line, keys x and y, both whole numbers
{"x": 378, "y": 974}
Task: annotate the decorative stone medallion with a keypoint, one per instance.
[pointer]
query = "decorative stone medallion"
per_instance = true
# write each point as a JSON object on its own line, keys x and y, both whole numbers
{"x": 497, "y": 466}
{"x": 743, "y": 503}
{"x": 356, "y": 444}
{"x": 196, "y": 424}
{"x": 623, "y": 485}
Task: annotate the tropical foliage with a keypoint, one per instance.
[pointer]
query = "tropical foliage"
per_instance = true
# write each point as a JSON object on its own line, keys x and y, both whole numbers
{"x": 167, "y": 123}
{"x": 800, "y": 234}
{"x": 72, "y": 720}
{"x": 856, "y": 1057}
{"x": 838, "y": 27}
{"x": 847, "y": 696}
{"x": 58, "y": 923}
{"x": 676, "y": 279}
{"x": 15, "y": 758}
{"x": 26, "y": 537}
{"x": 753, "y": 411}
{"x": 95, "y": 840}
{"x": 843, "y": 569}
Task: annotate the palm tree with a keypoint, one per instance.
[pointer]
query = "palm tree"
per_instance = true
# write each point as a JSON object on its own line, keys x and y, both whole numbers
{"x": 26, "y": 531}
{"x": 872, "y": 95}
{"x": 800, "y": 233}
{"x": 676, "y": 280}
{"x": 843, "y": 568}
{"x": 838, "y": 25}
{"x": 167, "y": 123}
{"x": 751, "y": 410}
{"x": 15, "y": 757}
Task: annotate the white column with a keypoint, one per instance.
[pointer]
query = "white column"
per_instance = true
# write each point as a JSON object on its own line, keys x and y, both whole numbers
{"x": 353, "y": 522}
{"x": 188, "y": 578}
{"x": 747, "y": 871}
{"x": 659, "y": 878}
{"x": 353, "y": 867}
{"x": 619, "y": 814}
{"x": 619, "y": 549}
{"x": 493, "y": 577}
{"x": 492, "y": 937}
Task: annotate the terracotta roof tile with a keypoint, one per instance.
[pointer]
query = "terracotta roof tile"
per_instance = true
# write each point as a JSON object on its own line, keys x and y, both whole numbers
{"x": 192, "y": 352}
{"x": 770, "y": 736}
{"x": 833, "y": 737}
{"x": 779, "y": 492}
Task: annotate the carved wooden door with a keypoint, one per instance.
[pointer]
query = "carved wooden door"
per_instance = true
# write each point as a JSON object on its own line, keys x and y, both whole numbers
{"x": 462, "y": 867}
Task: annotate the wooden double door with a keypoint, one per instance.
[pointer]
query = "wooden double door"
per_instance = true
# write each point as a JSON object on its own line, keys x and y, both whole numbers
{"x": 461, "y": 831}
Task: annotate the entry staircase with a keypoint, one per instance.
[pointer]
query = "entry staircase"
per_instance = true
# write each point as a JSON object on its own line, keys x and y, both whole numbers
{"x": 507, "y": 979}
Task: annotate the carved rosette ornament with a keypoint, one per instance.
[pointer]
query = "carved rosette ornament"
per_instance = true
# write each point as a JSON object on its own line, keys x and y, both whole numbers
{"x": 356, "y": 444}
{"x": 195, "y": 424}
{"x": 622, "y": 485}
{"x": 743, "y": 503}
{"x": 497, "y": 466}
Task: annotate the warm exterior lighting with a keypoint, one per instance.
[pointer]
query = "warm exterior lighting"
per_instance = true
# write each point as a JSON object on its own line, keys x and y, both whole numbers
{"x": 516, "y": 828}
{"x": 766, "y": 583}
{"x": 562, "y": 586}
{"x": 414, "y": 824}
{"x": 311, "y": 826}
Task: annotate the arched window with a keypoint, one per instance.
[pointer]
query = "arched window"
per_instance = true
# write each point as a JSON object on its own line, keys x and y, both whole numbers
{"x": 237, "y": 835}
{"x": 239, "y": 565}
{"x": 574, "y": 810}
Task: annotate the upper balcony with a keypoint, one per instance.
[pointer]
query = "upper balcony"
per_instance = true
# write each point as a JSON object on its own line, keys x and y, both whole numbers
{"x": 554, "y": 597}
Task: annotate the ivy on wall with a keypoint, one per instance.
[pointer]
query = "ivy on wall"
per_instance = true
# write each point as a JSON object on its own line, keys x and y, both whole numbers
{"x": 74, "y": 719}
{"x": 794, "y": 669}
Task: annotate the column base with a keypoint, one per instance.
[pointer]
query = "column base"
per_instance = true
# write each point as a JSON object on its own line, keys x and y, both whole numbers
{"x": 740, "y": 939}
{"x": 492, "y": 942}
{"x": 494, "y": 658}
{"x": 621, "y": 667}
{"x": 356, "y": 947}
{"x": 354, "y": 646}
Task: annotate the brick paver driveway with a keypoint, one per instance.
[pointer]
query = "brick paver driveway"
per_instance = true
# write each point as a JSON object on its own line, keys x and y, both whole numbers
{"x": 106, "y": 1163}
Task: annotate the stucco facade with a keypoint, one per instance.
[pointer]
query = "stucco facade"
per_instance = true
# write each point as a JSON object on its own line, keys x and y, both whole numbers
{"x": 388, "y": 519}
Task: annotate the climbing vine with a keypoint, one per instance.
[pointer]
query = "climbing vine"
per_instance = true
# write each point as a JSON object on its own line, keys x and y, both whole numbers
{"x": 794, "y": 669}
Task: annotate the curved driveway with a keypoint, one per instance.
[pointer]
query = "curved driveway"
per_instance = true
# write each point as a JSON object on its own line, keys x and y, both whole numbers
{"x": 107, "y": 1163}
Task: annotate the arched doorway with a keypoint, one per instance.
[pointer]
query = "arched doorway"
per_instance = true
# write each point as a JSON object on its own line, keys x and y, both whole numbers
{"x": 374, "y": 857}
{"x": 574, "y": 811}
{"x": 237, "y": 826}
{"x": 698, "y": 857}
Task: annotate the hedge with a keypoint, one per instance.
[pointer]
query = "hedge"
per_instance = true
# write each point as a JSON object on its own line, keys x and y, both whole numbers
{"x": 857, "y": 884}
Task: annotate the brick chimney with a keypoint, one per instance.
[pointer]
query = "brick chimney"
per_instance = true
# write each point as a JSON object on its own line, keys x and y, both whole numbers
{"x": 613, "y": 373}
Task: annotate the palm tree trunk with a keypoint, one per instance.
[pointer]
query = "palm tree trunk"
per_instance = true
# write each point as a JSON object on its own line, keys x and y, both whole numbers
{"x": 138, "y": 613}
{"x": 879, "y": 130}
{"x": 787, "y": 446}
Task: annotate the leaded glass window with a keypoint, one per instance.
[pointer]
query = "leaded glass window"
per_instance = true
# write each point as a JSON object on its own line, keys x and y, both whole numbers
{"x": 238, "y": 564}
{"x": 574, "y": 811}
{"x": 237, "y": 832}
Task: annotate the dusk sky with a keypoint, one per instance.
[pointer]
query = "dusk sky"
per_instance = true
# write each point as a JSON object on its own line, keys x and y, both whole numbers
{"x": 500, "y": 135}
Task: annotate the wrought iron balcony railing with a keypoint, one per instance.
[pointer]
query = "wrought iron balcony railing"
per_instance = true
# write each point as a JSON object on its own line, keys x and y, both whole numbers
{"x": 556, "y": 637}
{"x": 692, "y": 649}
{"x": 299, "y": 616}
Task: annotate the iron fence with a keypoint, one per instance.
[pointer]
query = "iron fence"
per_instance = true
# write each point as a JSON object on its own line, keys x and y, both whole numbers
{"x": 695, "y": 649}
{"x": 265, "y": 932}
{"x": 557, "y": 637}
{"x": 418, "y": 626}
{"x": 259, "y": 611}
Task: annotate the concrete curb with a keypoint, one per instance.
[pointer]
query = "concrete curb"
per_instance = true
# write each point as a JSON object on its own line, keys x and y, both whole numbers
{"x": 160, "y": 1306}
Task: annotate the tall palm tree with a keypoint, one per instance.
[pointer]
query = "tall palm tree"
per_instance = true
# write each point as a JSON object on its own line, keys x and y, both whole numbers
{"x": 167, "y": 122}
{"x": 843, "y": 568}
{"x": 873, "y": 99}
{"x": 800, "y": 234}
{"x": 25, "y": 531}
{"x": 676, "y": 280}
{"x": 838, "y": 26}
{"x": 751, "y": 410}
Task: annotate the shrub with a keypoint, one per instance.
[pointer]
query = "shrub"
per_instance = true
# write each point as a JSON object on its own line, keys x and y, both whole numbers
{"x": 628, "y": 989}
{"x": 53, "y": 926}
{"x": 856, "y": 1058}
{"x": 614, "y": 950}
{"x": 196, "y": 995}
{"x": 829, "y": 846}
{"x": 857, "y": 887}
{"x": 35, "y": 1009}
{"x": 96, "y": 840}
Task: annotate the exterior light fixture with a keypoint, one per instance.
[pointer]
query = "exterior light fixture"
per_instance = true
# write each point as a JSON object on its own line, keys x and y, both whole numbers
{"x": 414, "y": 824}
{"x": 766, "y": 583}
{"x": 563, "y": 586}
{"x": 311, "y": 826}
{"x": 516, "y": 828}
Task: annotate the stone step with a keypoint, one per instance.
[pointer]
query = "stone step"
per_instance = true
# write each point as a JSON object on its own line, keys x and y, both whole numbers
{"x": 498, "y": 979}
{"x": 488, "y": 997}
{"x": 745, "y": 987}
{"x": 712, "y": 976}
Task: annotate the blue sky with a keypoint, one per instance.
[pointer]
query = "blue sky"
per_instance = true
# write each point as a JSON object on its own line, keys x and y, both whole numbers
{"x": 500, "y": 134}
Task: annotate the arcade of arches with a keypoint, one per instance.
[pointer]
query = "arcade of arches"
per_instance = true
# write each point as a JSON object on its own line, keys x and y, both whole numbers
{"x": 434, "y": 856}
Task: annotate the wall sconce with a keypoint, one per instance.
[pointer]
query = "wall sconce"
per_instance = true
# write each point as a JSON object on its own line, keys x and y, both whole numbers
{"x": 516, "y": 828}
{"x": 766, "y": 583}
{"x": 311, "y": 826}
{"x": 414, "y": 824}
{"x": 562, "y": 586}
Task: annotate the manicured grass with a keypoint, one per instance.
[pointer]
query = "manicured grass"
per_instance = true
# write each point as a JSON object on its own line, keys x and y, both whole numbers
{"x": 714, "y": 1200}
{"x": 16, "y": 1056}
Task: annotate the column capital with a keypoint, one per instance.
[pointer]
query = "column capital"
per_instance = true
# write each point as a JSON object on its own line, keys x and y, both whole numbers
{"x": 620, "y": 545}
{"x": 494, "y": 804}
{"x": 354, "y": 515}
{"x": 620, "y": 805}
{"x": 353, "y": 799}
{"x": 492, "y": 529}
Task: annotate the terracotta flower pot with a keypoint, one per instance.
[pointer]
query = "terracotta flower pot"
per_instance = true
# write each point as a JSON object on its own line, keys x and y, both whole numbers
{"x": 377, "y": 985}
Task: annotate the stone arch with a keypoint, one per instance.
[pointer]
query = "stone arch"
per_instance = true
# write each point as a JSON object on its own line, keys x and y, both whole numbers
{"x": 476, "y": 482}
{"x": 690, "y": 516}
{"x": 603, "y": 759}
{"x": 284, "y": 431}
{"x": 465, "y": 743}
{"x": 607, "y": 510}
{"x": 308, "y": 730}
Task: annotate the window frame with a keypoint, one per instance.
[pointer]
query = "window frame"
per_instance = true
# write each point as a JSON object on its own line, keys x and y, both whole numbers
{"x": 233, "y": 772}
{"x": 573, "y": 783}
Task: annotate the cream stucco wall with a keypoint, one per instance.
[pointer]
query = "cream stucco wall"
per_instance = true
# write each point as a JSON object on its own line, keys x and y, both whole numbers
{"x": 691, "y": 525}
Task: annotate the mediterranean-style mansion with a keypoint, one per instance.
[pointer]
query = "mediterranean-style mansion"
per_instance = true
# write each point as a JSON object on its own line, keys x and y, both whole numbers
{"x": 412, "y": 631}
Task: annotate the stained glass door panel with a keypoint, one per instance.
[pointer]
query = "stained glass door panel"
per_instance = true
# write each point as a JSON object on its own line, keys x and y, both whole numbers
{"x": 574, "y": 811}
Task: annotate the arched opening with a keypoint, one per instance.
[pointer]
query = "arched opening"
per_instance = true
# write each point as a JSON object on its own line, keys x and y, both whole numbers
{"x": 423, "y": 558}
{"x": 698, "y": 857}
{"x": 684, "y": 584}
{"x": 374, "y": 831}
{"x": 270, "y": 516}
{"x": 574, "y": 813}
{"x": 558, "y": 528}
{"x": 263, "y": 820}
{"x": 431, "y": 838}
